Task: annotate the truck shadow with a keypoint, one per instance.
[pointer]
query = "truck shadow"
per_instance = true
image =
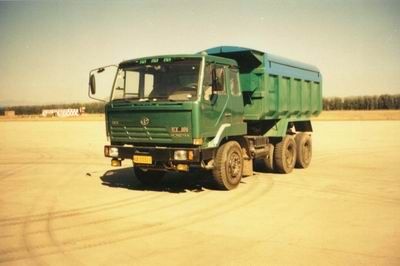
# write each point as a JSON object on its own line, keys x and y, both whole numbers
{"x": 172, "y": 182}
{"x": 259, "y": 166}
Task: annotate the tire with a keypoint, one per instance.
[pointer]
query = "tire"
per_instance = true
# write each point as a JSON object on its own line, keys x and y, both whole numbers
{"x": 269, "y": 158}
{"x": 149, "y": 177}
{"x": 304, "y": 150}
{"x": 285, "y": 155}
{"x": 228, "y": 165}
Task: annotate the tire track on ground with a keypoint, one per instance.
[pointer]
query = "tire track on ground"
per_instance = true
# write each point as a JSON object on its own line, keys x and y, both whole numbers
{"x": 145, "y": 199}
{"x": 365, "y": 197}
{"x": 197, "y": 216}
{"x": 50, "y": 193}
{"x": 25, "y": 165}
{"x": 145, "y": 211}
{"x": 329, "y": 155}
{"x": 28, "y": 249}
{"x": 71, "y": 259}
{"x": 77, "y": 211}
{"x": 119, "y": 218}
{"x": 233, "y": 202}
{"x": 15, "y": 171}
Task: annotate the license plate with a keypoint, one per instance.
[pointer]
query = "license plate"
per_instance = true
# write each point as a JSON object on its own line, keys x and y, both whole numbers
{"x": 143, "y": 159}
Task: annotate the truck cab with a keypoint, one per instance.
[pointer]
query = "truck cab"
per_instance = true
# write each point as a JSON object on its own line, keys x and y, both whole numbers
{"x": 174, "y": 100}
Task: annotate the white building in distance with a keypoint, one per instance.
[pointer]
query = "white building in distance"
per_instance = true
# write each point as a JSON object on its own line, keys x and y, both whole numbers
{"x": 63, "y": 112}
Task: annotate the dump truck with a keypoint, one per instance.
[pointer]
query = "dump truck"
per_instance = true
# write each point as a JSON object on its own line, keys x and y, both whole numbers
{"x": 219, "y": 110}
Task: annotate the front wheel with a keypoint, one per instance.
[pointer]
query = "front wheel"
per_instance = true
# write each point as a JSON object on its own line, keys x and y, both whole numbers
{"x": 148, "y": 177}
{"x": 228, "y": 165}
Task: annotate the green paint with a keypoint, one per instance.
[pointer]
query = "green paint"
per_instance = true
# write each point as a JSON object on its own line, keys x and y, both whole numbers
{"x": 272, "y": 89}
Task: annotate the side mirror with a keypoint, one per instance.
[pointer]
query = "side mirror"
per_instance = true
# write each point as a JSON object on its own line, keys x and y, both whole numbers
{"x": 92, "y": 84}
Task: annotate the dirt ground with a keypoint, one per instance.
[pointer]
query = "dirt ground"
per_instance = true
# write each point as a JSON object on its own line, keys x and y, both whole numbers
{"x": 61, "y": 203}
{"x": 372, "y": 115}
{"x": 360, "y": 115}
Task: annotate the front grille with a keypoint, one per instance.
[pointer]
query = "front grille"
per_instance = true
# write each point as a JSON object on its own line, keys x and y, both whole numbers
{"x": 130, "y": 133}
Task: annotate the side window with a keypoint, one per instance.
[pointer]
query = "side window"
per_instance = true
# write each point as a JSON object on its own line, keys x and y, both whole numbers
{"x": 234, "y": 82}
{"x": 132, "y": 83}
{"x": 148, "y": 84}
{"x": 119, "y": 86}
{"x": 208, "y": 80}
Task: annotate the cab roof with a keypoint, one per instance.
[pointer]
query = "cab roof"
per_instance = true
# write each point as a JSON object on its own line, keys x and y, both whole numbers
{"x": 209, "y": 58}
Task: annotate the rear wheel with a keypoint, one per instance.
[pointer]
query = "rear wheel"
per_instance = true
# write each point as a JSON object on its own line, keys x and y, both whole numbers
{"x": 304, "y": 150}
{"x": 228, "y": 165}
{"x": 148, "y": 177}
{"x": 285, "y": 155}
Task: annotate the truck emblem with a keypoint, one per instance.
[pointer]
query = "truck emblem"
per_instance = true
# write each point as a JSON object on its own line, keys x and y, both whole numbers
{"x": 179, "y": 129}
{"x": 144, "y": 121}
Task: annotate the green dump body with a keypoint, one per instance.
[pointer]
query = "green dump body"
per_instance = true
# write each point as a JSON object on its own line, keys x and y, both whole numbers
{"x": 274, "y": 87}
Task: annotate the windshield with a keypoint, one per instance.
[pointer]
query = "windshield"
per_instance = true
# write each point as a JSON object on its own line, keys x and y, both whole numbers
{"x": 144, "y": 80}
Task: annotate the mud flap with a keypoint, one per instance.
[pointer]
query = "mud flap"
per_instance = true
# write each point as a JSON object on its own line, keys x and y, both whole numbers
{"x": 247, "y": 167}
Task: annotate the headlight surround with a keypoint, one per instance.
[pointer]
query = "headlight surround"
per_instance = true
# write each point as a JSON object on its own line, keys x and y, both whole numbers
{"x": 180, "y": 155}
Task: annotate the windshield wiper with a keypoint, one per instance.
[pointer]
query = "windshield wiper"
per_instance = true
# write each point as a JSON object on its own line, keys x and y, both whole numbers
{"x": 125, "y": 100}
{"x": 120, "y": 100}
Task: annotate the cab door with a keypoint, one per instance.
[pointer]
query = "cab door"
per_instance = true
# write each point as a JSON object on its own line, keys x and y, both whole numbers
{"x": 236, "y": 107}
{"x": 215, "y": 108}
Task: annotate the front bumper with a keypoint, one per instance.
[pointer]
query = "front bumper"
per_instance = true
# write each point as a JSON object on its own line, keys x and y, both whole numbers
{"x": 161, "y": 157}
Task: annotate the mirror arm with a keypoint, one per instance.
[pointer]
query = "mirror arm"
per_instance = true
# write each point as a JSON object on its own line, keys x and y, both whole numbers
{"x": 94, "y": 98}
{"x": 101, "y": 69}
{"x": 90, "y": 95}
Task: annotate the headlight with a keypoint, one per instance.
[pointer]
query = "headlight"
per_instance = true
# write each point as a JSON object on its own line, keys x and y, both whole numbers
{"x": 180, "y": 155}
{"x": 113, "y": 152}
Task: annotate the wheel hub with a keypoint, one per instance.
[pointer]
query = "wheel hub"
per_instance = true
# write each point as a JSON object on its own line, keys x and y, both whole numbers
{"x": 234, "y": 165}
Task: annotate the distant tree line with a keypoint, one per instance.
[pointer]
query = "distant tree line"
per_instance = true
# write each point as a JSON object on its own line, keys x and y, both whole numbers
{"x": 381, "y": 102}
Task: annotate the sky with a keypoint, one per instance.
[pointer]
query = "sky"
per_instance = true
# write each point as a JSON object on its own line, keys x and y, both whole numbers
{"x": 47, "y": 48}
